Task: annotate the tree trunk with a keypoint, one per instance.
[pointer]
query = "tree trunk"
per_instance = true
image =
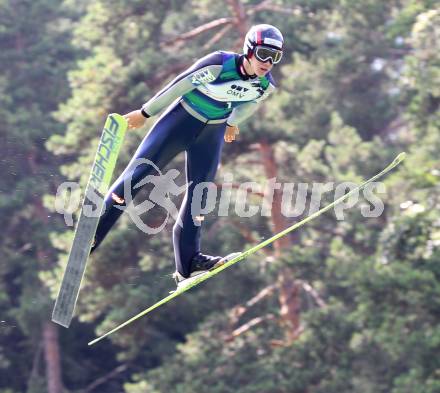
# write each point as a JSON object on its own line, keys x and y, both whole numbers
{"x": 50, "y": 330}
{"x": 290, "y": 302}
{"x": 279, "y": 222}
{"x": 289, "y": 293}
{"x": 52, "y": 357}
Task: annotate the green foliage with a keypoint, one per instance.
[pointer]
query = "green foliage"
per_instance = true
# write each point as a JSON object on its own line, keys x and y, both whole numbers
{"x": 359, "y": 82}
{"x": 34, "y": 60}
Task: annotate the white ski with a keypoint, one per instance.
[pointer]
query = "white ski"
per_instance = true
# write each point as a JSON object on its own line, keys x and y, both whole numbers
{"x": 97, "y": 186}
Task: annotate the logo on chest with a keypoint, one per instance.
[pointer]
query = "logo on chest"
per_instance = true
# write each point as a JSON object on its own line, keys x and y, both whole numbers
{"x": 202, "y": 77}
{"x": 258, "y": 87}
{"x": 237, "y": 91}
{"x": 233, "y": 91}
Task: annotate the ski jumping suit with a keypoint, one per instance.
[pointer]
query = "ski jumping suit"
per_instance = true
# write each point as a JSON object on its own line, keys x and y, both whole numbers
{"x": 215, "y": 91}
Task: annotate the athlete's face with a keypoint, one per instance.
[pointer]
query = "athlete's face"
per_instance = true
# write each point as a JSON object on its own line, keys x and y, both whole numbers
{"x": 260, "y": 68}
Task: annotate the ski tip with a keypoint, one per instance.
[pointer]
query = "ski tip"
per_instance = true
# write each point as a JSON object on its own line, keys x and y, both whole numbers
{"x": 118, "y": 117}
{"x": 399, "y": 158}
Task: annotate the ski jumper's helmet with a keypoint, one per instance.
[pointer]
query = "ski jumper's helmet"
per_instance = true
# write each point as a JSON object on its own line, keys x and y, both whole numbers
{"x": 264, "y": 36}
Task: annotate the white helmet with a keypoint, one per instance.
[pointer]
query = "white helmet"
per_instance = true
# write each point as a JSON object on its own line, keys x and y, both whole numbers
{"x": 262, "y": 35}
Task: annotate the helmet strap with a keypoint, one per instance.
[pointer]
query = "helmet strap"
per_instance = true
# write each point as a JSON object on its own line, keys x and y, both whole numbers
{"x": 246, "y": 58}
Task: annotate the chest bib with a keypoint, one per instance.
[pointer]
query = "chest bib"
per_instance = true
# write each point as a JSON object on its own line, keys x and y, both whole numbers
{"x": 215, "y": 99}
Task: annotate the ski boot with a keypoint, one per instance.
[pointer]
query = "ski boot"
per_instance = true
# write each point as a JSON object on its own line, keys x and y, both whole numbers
{"x": 202, "y": 264}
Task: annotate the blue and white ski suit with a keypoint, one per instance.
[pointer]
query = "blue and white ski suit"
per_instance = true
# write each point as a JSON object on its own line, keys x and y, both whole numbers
{"x": 215, "y": 91}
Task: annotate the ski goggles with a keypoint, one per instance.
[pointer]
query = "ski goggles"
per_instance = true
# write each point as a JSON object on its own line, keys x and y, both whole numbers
{"x": 263, "y": 53}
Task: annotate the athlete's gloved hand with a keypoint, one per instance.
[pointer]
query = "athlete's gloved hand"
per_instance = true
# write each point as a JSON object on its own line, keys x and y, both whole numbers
{"x": 135, "y": 119}
{"x": 231, "y": 132}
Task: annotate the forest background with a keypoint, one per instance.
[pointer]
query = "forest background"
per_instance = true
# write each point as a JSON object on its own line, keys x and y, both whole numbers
{"x": 347, "y": 305}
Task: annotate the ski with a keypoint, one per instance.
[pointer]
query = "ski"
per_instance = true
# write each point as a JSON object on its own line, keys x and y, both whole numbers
{"x": 243, "y": 255}
{"x": 97, "y": 186}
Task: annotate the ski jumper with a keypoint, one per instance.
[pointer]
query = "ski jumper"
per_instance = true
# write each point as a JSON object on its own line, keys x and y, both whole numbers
{"x": 201, "y": 101}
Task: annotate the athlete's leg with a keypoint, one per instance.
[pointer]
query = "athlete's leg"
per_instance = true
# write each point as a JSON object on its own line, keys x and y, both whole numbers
{"x": 170, "y": 135}
{"x": 202, "y": 159}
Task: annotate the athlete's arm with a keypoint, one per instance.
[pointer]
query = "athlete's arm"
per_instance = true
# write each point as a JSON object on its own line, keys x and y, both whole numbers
{"x": 135, "y": 119}
{"x": 205, "y": 70}
{"x": 242, "y": 112}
